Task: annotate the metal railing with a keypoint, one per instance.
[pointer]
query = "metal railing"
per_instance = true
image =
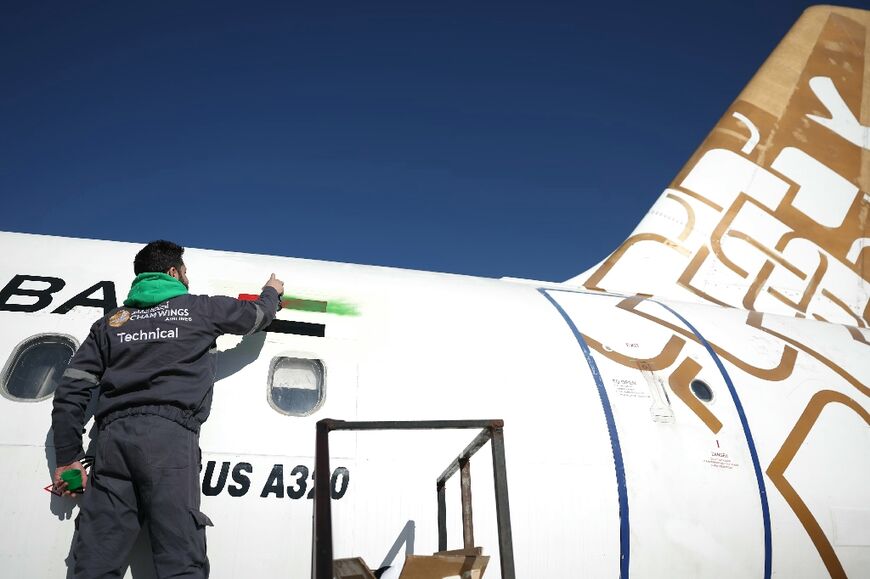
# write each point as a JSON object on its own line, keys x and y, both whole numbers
{"x": 491, "y": 431}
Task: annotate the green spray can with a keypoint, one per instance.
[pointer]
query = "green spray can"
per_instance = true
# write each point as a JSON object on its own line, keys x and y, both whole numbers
{"x": 73, "y": 480}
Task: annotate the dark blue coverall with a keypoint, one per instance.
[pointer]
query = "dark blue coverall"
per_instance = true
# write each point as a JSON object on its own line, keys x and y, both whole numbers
{"x": 155, "y": 371}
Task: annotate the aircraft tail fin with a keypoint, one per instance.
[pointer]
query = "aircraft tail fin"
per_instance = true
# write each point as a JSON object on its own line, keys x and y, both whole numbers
{"x": 772, "y": 212}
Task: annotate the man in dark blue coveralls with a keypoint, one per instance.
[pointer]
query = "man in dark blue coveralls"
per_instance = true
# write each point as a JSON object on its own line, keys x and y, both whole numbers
{"x": 153, "y": 363}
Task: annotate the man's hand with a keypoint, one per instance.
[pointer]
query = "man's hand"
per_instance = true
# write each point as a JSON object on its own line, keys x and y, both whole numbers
{"x": 60, "y": 484}
{"x": 275, "y": 283}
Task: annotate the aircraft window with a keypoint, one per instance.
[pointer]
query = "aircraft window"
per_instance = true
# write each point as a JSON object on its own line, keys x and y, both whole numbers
{"x": 701, "y": 391}
{"x": 296, "y": 385}
{"x": 36, "y": 366}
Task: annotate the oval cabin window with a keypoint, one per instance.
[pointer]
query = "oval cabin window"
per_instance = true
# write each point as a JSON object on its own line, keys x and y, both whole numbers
{"x": 296, "y": 385}
{"x": 35, "y": 367}
{"x": 701, "y": 391}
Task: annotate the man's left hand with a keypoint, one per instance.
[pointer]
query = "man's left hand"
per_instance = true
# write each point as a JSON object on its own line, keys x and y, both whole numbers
{"x": 60, "y": 484}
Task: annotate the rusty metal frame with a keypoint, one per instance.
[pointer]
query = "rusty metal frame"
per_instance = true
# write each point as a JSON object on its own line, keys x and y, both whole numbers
{"x": 491, "y": 431}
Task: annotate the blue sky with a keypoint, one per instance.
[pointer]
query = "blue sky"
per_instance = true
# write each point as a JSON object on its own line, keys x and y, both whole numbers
{"x": 493, "y": 139}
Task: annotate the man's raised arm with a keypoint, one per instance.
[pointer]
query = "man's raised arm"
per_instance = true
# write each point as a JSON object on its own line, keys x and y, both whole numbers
{"x": 232, "y": 316}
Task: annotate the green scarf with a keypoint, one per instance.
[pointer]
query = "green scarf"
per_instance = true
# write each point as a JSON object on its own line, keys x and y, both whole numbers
{"x": 151, "y": 288}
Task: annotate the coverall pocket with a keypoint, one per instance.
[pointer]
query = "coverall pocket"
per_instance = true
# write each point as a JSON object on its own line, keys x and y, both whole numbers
{"x": 169, "y": 445}
{"x": 201, "y": 521}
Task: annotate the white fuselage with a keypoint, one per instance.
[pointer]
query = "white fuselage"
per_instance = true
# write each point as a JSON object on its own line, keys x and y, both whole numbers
{"x": 611, "y": 463}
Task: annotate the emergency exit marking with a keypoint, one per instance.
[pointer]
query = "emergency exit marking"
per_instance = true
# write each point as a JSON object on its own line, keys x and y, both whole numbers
{"x": 298, "y": 328}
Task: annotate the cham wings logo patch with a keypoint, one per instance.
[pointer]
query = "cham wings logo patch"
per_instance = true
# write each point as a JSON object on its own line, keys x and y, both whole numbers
{"x": 119, "y": 318}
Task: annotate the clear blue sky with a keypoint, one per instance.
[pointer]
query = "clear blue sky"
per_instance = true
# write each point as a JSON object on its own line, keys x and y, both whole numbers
{"x": 519, "y": 139}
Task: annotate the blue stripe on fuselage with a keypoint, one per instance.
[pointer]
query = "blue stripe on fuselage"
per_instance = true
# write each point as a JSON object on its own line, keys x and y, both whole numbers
{"x": 759, "y": 476}
{"x": 624, "y": 543}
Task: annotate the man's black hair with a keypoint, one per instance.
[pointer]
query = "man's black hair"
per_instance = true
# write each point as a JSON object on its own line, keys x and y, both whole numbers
{"x": 158, "y": 256}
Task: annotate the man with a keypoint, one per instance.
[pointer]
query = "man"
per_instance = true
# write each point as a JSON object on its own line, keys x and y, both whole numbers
{"x": 152, "y": 362}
